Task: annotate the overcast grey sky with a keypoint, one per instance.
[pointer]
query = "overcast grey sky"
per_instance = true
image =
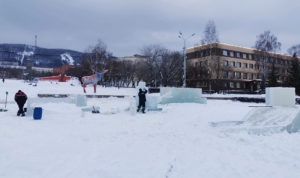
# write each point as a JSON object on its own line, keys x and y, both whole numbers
{"x": 128, "y": 25}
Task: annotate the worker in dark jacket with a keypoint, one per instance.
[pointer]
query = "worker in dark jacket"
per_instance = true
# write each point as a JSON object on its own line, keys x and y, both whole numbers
{"x": 142, "y": 100}
{"x": 20, "y": 98}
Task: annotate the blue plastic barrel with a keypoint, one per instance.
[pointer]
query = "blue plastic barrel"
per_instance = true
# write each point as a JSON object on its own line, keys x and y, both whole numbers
{"x": 37, "y": 113}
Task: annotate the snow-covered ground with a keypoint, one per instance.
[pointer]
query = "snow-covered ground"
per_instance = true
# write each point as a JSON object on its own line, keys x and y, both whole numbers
{"x": 178, "y": 142}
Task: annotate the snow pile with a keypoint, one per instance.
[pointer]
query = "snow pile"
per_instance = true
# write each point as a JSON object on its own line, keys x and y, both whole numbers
{"x": 67, "y": 58}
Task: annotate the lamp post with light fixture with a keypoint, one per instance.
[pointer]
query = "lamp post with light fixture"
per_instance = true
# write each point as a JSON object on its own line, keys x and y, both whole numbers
{"x": 184, "y": 55}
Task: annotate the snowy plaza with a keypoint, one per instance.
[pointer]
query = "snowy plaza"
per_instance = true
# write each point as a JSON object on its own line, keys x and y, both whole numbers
{"x": 217, "y": 139}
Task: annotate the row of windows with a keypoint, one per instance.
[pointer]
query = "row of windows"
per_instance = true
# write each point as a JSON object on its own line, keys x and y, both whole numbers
{"x": 237, "y": 54}
{"x": 233, "y": 85}
{"x": 202, "y": 63}
{"x": 239, "y": 75}
{"x": 252, "y": 66}
{"x": 239, "y": 64}
{"x": 266, "y": 59}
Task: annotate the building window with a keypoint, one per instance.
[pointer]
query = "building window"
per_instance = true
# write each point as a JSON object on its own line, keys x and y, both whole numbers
{"x": 201, "y": 63}
{"x": 251, "y": 76}
{"x": 238, "y": 55}
{"x": 238, "y": 65}
{"x": 225, "y": 74}
{"x": 238, "y": 85}
{"x": 238, "y": 75}
{"x": 251, "y": 66}
{"x": 232, "y": 63}
{"x": 258, "y": 76}
{"x": 245, "y": 65}
{"x": 231, "y": 54}
{"x": 231, "y": 75}
{"x": 225, "y": 53}
{"x": 225, "y": 63}
{"x": 225, "y": 84}
{"x": 256, "y": 67}
{"x": 244, "y": 56}
{"x": 250, "y": 56}
{"x": 245, "y": 76}
{"x": 231, "y": 84}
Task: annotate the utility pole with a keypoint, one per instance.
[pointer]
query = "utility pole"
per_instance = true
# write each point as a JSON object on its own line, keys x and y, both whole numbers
{"x": 210, "y": 68}
{"x": 184, "y": 55}
{"x": 35, "y": 42}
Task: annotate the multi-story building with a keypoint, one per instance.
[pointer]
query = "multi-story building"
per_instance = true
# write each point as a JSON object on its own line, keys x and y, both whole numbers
{"x": 219, "y": 66}
{"x": 134, "y": 58}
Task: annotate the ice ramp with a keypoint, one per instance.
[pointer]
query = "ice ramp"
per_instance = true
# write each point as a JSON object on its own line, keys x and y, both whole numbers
{"x": 264, "y": 121}
{"x": 295, "y": 125}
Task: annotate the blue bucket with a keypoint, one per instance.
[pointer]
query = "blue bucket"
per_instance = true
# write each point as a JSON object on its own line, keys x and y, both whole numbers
{"x": 37, "y": 113}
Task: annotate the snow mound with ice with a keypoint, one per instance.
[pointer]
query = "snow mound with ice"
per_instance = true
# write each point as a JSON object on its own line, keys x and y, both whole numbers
{"x": 264, "y": 121}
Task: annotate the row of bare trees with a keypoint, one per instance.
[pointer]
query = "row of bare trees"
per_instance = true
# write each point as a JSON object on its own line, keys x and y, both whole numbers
{"x": 157, "y": 67}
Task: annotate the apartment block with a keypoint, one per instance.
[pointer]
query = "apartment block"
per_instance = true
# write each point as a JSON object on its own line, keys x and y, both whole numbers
{"x": 218, "y": 66}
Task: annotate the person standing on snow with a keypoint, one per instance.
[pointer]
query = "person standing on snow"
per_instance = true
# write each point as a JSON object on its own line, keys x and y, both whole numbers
{"x": 20, "y": 98}
{"x": 142, "y": 100}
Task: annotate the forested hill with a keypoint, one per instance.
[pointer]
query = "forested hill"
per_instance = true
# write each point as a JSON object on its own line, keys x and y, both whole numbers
{"x": 41, "y": 57}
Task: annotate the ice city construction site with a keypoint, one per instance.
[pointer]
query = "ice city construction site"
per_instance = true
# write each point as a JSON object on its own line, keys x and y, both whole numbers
{"x": 183, "y": 134}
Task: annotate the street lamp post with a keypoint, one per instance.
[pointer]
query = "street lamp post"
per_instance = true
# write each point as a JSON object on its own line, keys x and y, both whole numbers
{"x": 184, "y": 55}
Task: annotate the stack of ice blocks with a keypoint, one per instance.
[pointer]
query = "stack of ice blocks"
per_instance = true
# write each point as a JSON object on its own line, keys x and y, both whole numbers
{"x": 182, "y": 95}
{"x": 279, "y": 96}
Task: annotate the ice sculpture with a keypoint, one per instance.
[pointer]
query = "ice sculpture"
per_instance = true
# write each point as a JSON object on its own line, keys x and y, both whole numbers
{"x": 181, "y": 95}
{"x": 279, "y": 96}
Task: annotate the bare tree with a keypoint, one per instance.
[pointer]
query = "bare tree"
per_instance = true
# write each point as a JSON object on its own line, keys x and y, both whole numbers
{"x": 294, "y": 50}
{"x": 97, "y": 56}
{"x": 210, "y": 33}
{"x": 171, "y": 69}
{"x": 210, "y": 36}
{"x": 154, "y": 55}
{"x": 265, "y": 43}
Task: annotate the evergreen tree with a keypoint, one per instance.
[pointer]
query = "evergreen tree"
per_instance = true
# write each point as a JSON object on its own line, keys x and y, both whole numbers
{"x": 273, "y": 76}
{"x": 294, "y": 74}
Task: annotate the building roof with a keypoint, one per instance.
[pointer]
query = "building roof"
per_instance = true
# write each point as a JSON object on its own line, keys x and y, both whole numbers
{"x": 231, "y": 47}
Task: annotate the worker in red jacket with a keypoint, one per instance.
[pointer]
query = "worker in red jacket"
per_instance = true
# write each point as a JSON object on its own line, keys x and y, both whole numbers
{"x": 20, "y": 98}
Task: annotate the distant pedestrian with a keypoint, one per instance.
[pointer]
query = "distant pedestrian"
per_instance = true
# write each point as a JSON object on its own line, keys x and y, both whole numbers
{"x": 3, "y": 80}
{"x": 20, "y": 98}
{"x": 142, "y": 100}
